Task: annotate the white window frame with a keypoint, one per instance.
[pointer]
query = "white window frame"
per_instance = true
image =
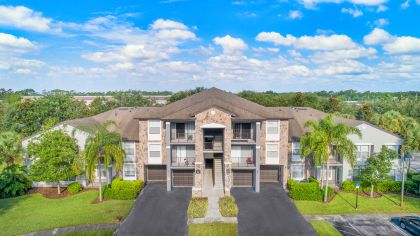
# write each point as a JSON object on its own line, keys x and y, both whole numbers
{"x": 125, "y": 177}
{"x": 272, "y": 160}
{"x": 154, "y": 124}
{"x": 154, "y": 160}
{"x": 369, "y": 145}
{"x": 129, "y": 158}
{"x": 272, "y": 137}
{"x": 295, "y": 157}
{"x": 303, "y": 171}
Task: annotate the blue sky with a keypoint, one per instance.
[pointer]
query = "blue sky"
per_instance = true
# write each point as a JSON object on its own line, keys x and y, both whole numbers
{"x": 282, "y": 45}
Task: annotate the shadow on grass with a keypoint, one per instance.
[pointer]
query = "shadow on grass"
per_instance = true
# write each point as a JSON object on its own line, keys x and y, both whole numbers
{"x": 8, "y": 203}
{"x": 391, "y": 200}
{"x": 347, "y": 201}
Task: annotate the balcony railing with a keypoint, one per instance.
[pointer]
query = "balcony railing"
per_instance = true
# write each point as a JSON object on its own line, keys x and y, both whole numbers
{"x": 183, "y": 161}
{"x": 243, "y": 162}
{"x": 213, "y": 146}
{"x": 242, "y": 134}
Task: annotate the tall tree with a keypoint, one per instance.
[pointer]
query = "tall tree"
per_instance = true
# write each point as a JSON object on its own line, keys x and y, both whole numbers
{"x": 298, "y": 100}
{"x": 364, "y": 112}
{"x": 327, "y": 139}
{"x": 377, "y": 168}
{"x": 102, "y": 147}
{"x": 10, "y": 148}
{"x": 53, "y": 154}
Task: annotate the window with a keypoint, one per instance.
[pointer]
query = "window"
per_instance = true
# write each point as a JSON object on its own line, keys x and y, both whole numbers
{"x": 180, "y": 130}
{"x": 130, "y": 151}
{"x": 273, "y": 130}
{"x": 395, "y": 148}
{"x": 243, "y": 155}
{"x": 155, "y": 130}
{"x": 298, "y": 171}
{"x": 296, "y": 151}
{"x": 103, "y": 172}
{"x": 272, "y": 154}
{"x": 155, "y": 156}
{"x": 242, "y": 131}
{"x": 129, "y": 171}
{"x": 183, "y": 155}
{"x": 357, "y": 174}
{"x": 363, "y": 152}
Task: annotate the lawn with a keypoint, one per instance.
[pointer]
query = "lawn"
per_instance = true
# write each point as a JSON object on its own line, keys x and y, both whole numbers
{"x": 324, "y": 228}
{"x": 212, "y": 229}
{"x": 35, "y": 213}
{"x": 197, "y": 207}
{"x": 345, "y": 203}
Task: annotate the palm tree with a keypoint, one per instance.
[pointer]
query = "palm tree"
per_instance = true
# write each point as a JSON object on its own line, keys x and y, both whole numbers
{"x": 325, "y": 139}
{"x": 102, "y": 147}
{"x": 10, "y": 148}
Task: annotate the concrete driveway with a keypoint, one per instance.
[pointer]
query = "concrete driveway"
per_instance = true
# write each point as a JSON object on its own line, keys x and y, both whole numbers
{"x": 158, "y": 212}
{"x": 269, "y": 212}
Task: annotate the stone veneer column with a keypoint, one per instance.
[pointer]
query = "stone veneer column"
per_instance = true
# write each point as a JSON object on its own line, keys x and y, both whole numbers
{"x": 257, "y": 157}
{"x": 168, "y": 157}
{"x": 142, "y": 150}
{"x": 284, "y": 150}
{"x": 198, "y": 162}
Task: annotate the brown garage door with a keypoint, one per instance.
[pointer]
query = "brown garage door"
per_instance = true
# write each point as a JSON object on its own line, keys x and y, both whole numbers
{"x": 156, "y": 173}
{"x": 242, "y": 178}
{"x": 182, "y": 178}
{"x": 269, "y": 174}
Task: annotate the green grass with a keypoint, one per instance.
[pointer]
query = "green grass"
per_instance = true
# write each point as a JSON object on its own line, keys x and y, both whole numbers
{"x": 324, "y": 228}
{"x": 345, "y": 203}
{"x": 197, "y": 207}
{"x": 228, "y": 207}
{"x": 90, "y": 233}
{"x": 35, "y": 213}
{"x": 212, "y": 229}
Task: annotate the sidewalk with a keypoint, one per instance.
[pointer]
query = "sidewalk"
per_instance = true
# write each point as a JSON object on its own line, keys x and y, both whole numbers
{"x": 356, "y": 217}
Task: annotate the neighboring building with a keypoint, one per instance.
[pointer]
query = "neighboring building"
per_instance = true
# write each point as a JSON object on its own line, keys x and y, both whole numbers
{"x": 218, "y": 140}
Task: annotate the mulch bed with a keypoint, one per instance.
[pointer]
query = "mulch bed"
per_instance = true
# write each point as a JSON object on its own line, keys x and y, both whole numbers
{"x": 51, "y": 192}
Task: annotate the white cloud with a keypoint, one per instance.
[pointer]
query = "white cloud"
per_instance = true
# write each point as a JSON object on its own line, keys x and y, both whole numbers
{"x": 405, "y": 4}
{"x": 377, "y": 36}
{"x": 346, "y": 67}
{"x": 323, "y": 42}
{"x": 354, "y": 12}
{"x": 404, "y": 44}
{"x": 382, "y": 8}
{"x": 381, "y": 22}
{"x": 11, "y": 41}
{"x": 295, "y": 14}
{"x": 168, "y": 24}
{"x": 24, "y": 18}
{"x": 339, "y": 55}
{"x": 230, "y": 44}
{"x": 276, "y": 38}
{"x": 312, "y": 3}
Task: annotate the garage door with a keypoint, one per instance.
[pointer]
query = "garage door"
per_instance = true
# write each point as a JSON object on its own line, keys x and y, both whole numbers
{"x": 269, "y": 174}
{"x": 242, "y": 178}
{"x": 156, "y": 173}
{"x": 182, "y": 178}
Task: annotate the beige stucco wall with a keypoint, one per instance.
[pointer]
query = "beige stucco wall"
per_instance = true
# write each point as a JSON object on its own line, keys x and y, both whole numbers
{"x": 212, "y": 115}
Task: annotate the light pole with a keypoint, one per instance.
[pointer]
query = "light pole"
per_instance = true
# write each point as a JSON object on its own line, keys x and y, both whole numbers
{"x": 357, "y": 194}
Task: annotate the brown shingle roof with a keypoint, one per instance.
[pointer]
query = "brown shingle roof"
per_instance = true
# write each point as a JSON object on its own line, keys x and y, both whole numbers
{"x": 213, "y": 97}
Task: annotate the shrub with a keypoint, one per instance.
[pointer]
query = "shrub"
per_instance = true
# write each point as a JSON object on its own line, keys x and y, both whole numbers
{"x": 228, "y": 207}
{"x": 74, "y": 187}
{"x": 197, "y": 207}
{"x": 123, "y": 190}
{"x": 304, "y": 191}
{"x": 313, "y": 180}
{"x": 348, "y": 185}
{"x": 330, "y": 193}
{"x": 389, "y": 186}
{"x": 14, "y": 181}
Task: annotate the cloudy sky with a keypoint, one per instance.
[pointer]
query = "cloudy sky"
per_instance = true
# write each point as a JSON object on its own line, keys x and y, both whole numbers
{"x": 282, "y": 45}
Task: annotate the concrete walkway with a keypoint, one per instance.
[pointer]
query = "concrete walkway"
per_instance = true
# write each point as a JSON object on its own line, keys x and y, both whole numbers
{"x": 356, "y": 217}
{"x": 79, "y": 228}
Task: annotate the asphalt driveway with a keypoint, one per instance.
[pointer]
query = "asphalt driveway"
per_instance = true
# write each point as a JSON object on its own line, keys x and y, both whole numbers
{"x": 269, "y": 212}
{"x": 158, "y": 212}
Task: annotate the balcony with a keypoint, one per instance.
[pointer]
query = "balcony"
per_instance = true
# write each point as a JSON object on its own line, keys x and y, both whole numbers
{"x": 243, "y": 161}
{"x": 183, "y": 161}
{"x": 182, "y": 132}
{"x": 213, "y": 146}
{"x": 242, "y": 132}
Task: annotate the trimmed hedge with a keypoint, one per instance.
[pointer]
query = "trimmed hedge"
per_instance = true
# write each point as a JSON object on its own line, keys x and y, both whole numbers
{"x": 384, "y": 186}
{"x": 228, "y": 207}
{"x": 74, "y": 187}
{"x": 309, "y": 191}
{"x": 123, "y": 190}
{"x": 197, "y": 207}
{"x": 348, "y": 185}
